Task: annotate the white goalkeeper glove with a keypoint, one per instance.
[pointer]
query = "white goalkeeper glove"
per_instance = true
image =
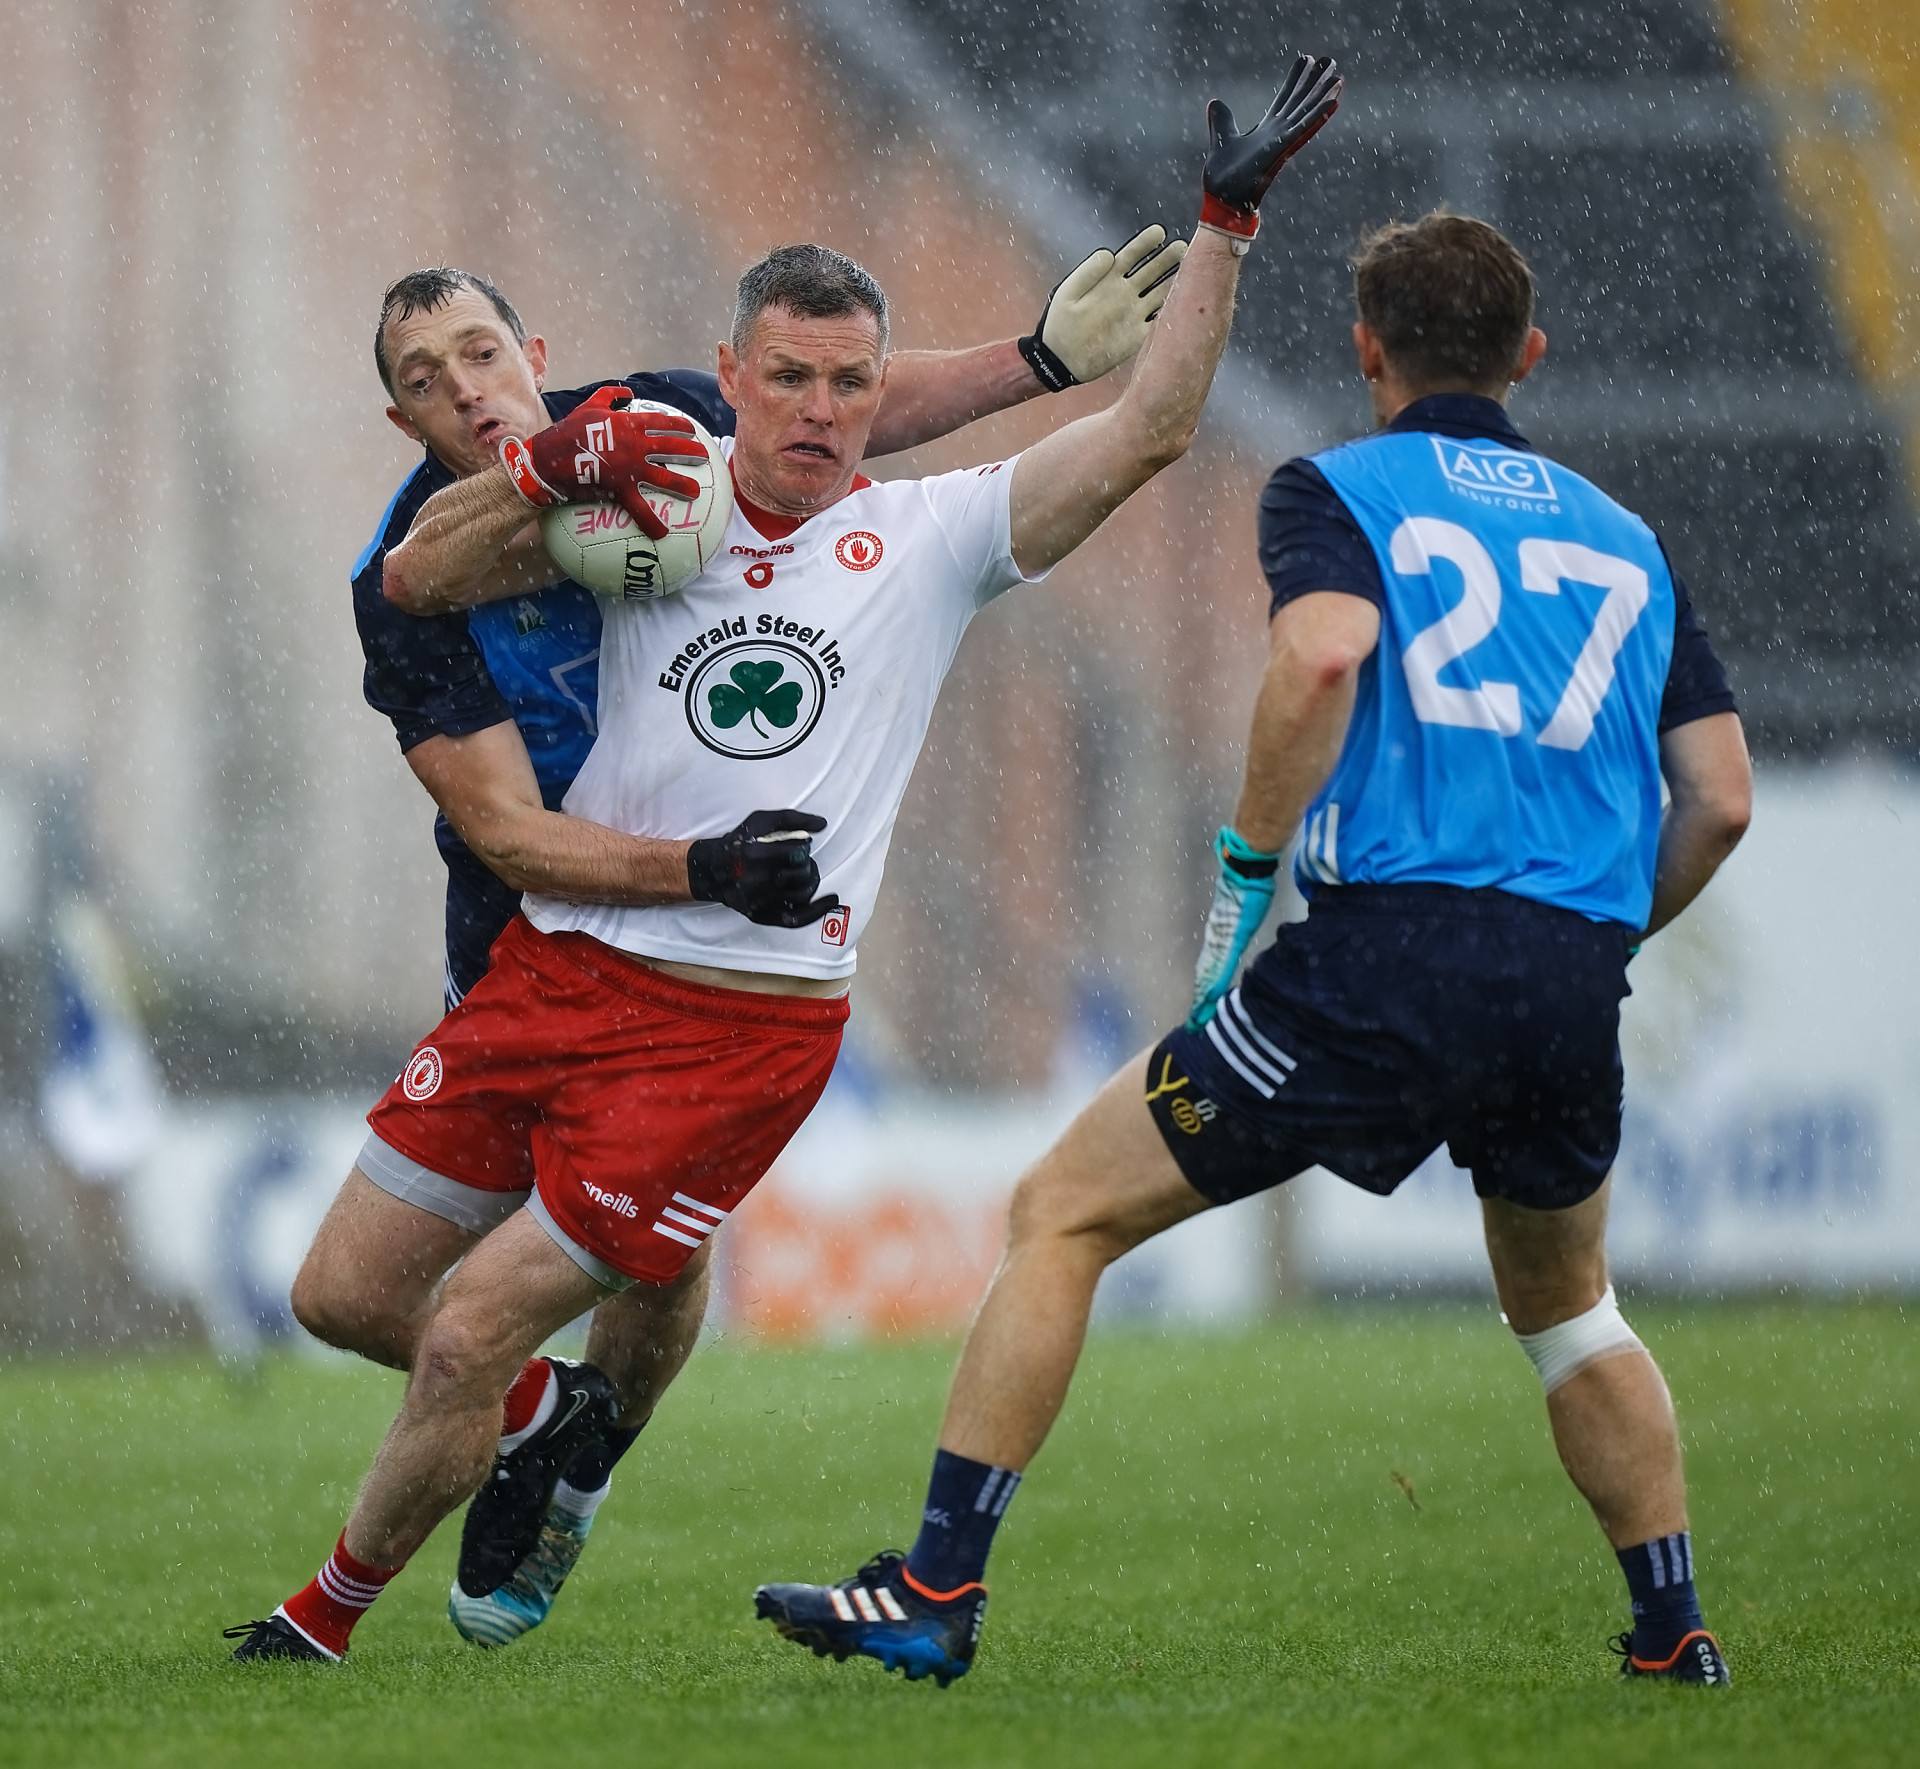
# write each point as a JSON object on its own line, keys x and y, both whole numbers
{"x": 1097, "y": 318}
{"x": 1242, "y": 895}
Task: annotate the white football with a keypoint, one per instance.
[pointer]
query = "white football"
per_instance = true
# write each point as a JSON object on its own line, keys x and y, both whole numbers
{"x": 601, "y": 546}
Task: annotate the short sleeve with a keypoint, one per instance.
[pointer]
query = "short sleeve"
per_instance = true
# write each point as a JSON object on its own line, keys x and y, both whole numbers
{"x": 974, "y": 511}
{"x": 1697, "y": 685}
{"x": 425, "y": 674}
{"x": 1309, "y": 540}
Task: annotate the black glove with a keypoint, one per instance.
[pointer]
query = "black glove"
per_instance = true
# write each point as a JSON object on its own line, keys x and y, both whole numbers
{"x": 1240, "y": 167}
{"x": 764, "y": 869}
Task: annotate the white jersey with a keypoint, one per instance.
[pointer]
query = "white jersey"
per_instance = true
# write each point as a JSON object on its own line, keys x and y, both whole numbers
{"x": 797, "y": 673}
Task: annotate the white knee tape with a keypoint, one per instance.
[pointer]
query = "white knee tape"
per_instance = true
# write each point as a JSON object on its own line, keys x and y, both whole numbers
{"x": 1562, "y": 1352}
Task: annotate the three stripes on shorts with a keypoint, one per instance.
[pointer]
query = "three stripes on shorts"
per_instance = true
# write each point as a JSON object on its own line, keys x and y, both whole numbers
{"x": 1249, "y": 1053}
{"x": 690, "y": 1223}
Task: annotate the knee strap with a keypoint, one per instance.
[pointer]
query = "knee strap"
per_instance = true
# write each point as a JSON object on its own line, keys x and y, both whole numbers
{"x": 1562, "y": 1352}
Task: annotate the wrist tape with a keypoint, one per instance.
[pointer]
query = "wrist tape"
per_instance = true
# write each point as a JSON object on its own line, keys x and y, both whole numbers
{"x": 1239, "y": 226}
{"x": 517, "y": 459}
{"x": 1048, "y": 369}
{"x": 1561, "y": 1353}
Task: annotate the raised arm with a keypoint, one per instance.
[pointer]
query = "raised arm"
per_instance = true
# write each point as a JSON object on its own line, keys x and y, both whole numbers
{"x": 1095, "y": 319}
{"x": 1066, "y": 486}
{"x": 1710, "y": 786}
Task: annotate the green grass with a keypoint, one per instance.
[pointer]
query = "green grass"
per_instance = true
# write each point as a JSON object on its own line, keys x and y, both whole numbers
{"x": 1212, "y": 1563}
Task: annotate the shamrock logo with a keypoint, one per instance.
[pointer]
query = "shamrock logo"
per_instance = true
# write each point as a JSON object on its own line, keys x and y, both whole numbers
{"x": 751, "y": 693}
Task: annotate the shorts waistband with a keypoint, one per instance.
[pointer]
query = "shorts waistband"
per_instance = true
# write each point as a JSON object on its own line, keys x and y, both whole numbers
{"x": 637, "y": 979}
{"x": 1465, "y": 902}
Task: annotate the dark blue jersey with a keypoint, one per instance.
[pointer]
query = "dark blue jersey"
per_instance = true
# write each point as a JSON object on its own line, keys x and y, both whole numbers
{"x": 533, "y": 659}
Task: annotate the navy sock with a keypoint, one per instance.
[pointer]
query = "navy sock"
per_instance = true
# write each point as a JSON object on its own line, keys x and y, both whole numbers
{"x": 965, "y": 1501}
{"x": 589, "y": 1471}
{"x": 1660, "y": 1582}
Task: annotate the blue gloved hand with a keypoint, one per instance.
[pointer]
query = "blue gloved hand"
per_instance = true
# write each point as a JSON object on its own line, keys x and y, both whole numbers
{"x": 1241, "y": 896}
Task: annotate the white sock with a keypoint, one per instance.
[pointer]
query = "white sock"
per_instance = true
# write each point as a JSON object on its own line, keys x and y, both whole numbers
{"x": 581, "y": 1505}
{"x": 549, "y": 1399}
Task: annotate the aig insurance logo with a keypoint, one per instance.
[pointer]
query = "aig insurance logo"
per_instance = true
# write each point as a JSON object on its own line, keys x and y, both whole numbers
{"x": 756, "y": 699}
{"x": 1502, "y": 477}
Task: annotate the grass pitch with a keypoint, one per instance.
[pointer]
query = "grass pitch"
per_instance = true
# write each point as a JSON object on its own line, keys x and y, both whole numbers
{"x": 1342, "y": 1539}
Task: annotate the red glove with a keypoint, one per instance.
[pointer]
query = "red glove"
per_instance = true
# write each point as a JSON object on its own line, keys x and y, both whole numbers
{"x": 602, "y": 449}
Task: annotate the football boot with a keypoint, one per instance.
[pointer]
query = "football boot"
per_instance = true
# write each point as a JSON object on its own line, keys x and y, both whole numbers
{"x": 276, "y": 1637}
{"x": 881, "y": 1612}
{"x": 505, "y": 1517}
{"x": 520, "y": 1605}
{"x": 1697, "y": 1659}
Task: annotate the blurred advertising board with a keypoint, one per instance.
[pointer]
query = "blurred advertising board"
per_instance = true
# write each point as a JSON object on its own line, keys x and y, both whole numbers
{"x": 1772, "y": 1139}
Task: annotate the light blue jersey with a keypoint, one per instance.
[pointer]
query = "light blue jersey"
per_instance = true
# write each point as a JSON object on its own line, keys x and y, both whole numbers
{"x": 1505, "y": 732}
{"x": 543, "y": 652}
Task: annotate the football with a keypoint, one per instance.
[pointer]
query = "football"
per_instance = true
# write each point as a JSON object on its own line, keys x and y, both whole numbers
{"x": 601, "y": 546}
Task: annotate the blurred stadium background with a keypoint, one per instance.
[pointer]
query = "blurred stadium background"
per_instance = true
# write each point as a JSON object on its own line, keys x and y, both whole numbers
{"x": 219, "y": 900}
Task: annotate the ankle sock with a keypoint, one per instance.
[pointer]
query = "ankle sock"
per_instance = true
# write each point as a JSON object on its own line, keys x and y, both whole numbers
{"x": 1660, "y": 1582}
{"x": 569, "y": 1498}
{"x": 965, "y": 1501}
{"x": 590, "y": 1470}
{"x": 341, "y": 1592}
{"x": 528, "y": 1404}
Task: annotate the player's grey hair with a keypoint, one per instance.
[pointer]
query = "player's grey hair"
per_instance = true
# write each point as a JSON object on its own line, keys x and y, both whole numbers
{"x": 421, "y": 291}
{"x": 810, "y": 282}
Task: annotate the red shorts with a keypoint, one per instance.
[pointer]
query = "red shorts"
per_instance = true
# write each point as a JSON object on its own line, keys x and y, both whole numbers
{"x": 639, "y": 1108}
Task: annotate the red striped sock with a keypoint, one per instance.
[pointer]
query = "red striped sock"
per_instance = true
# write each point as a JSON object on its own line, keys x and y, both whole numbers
{"x": 522, "y": 1408}
{"x": 341, "y": 1593}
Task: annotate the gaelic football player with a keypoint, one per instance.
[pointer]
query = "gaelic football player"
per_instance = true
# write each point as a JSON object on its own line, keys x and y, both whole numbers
{"x": 1480, "y": 668}
{"x": 626, "y": 1071}
{"x": 495, "y": 711}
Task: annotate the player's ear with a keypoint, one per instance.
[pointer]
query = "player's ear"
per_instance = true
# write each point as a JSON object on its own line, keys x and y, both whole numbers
{"x": 1367, "y": 347}
{"x": 405, "y": 425}
{"x": 536, "y": 349}
{"x": 1530, "y": 354}
{"x": 728, "y": 373}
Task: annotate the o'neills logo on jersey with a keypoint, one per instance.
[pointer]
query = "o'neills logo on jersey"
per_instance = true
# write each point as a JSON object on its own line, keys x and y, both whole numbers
{"x": 422, "y": 1077}
{"x": 618, "y": 1202}
{"x": 859, "y": 551}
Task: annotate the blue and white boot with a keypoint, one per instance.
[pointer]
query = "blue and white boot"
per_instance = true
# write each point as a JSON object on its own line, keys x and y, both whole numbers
{"x": 521, "y": 1604}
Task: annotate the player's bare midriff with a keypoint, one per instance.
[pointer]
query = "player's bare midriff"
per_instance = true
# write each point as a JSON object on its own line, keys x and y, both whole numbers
{"x": 755, "y": 982}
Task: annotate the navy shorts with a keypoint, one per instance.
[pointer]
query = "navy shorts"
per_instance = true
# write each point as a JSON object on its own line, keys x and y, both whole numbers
{"x": 1396, "y": 1018}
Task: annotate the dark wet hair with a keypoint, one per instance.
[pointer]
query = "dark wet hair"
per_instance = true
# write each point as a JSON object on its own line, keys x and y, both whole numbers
{"x": 1450, "y": 299}
{"x": 421, "y": 291}
{"x": 810, "y": 282}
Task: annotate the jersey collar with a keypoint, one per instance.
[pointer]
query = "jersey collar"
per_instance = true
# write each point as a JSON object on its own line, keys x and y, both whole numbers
{"x": 1463, "y": 416}
{"x": 776, "y": 528}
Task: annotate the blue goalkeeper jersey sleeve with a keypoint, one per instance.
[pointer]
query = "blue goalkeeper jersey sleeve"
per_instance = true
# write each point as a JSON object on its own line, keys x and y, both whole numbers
{"x": 1505, "y": 731}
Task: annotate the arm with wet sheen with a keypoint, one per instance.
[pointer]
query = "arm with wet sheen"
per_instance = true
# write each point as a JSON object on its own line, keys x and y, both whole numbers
{"x": 484, "y": 782}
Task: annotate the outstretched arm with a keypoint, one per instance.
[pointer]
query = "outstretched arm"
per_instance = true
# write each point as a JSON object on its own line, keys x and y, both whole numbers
{"x": 1095, "y": 319}
{"x": 1710, "y": 783}
{"x": 1065, "y": 487}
